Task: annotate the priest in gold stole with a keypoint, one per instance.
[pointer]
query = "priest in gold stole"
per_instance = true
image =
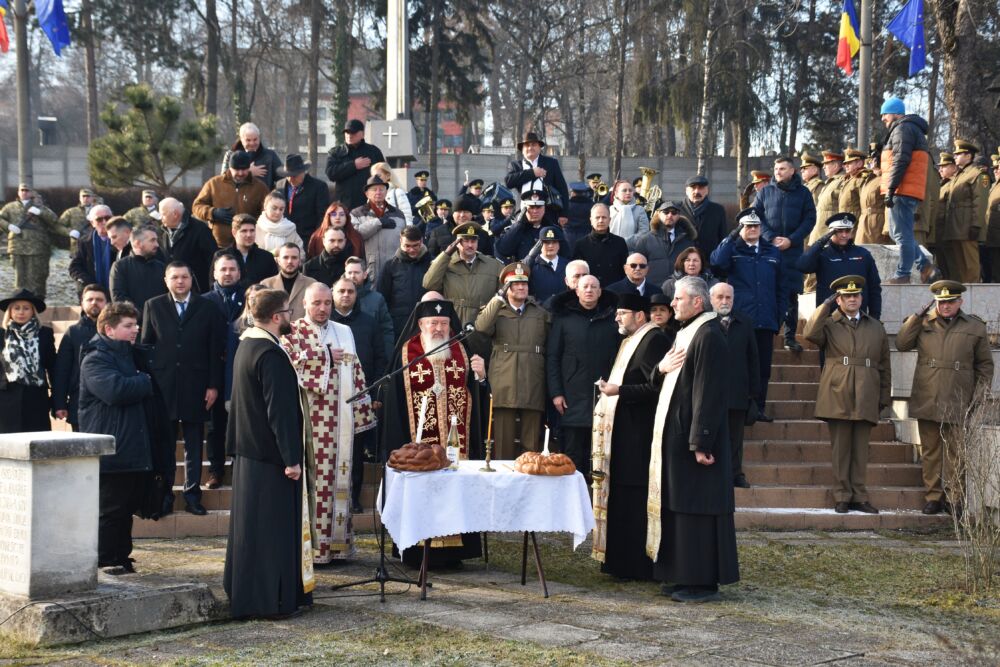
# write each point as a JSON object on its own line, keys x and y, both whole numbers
{"x": 449, "y": 379}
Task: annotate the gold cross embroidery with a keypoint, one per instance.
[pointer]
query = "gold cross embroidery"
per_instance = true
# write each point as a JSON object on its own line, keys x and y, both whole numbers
{"x": 340, "y": 519}
{"x": 343, "y": 468}
{"x": 419, "y": 372}
{"x": 454, "y": 369}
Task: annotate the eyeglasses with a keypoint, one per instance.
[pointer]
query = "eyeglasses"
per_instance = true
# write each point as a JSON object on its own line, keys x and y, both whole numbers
{"x": 102, "y": 218}
{"x": 286, "y": 310}
{"x": 637, "y": 266}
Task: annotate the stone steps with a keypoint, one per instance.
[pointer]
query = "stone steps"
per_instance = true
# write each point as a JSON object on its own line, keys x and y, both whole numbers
{"x": 821, "y": 496}
{"x": 786, "y": 453}
{"x": 816, "y": 473}
{"x": 796, "y": 430}
{"x": 782, "y": 518}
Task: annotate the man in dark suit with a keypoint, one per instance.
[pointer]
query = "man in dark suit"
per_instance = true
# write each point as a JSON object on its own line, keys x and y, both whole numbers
{"x": 744, "y": 373}
{"x": 138, "y": 277}
{"x": 306, "y": 195}
{"x": 91, "y": 262}
{"x": 708, "y": 217}
{"x": 634, "y": 282}
{"x": 255, "y": 264}
{"x": 188, "y": 240}
{"x": 532, "y": 170}
{"x": 347, "y": 165}
{"x": 66, "y": 378}
{"x": 187, "y": 333}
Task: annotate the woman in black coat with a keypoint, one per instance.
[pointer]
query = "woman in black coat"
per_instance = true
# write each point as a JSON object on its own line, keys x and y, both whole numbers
{"x": 27, "y": 361}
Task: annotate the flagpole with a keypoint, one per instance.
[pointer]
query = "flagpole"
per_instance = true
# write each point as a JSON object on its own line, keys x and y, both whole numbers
{"x": 25, "y": 165}
{"x": 865, "y": 76}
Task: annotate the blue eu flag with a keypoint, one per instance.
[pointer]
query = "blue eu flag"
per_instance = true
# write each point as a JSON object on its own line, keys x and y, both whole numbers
{"x": 908, "y": 27}
{"x": 52, "y": 18}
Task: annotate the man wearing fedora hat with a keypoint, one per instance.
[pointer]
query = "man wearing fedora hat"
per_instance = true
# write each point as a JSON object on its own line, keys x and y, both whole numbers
{"x": 347, "y": 164}
{"x": 307, "y": 196}
{"x": 379, "y": 223}
{"x": 532, "y": 170}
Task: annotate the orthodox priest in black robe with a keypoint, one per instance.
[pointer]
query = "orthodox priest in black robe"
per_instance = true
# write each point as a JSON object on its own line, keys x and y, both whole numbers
{"x": 691, "y": 534}
{"x": 623, "y": 429}
{"x": 437, "y": 377}
{"x": 269, "y": 554}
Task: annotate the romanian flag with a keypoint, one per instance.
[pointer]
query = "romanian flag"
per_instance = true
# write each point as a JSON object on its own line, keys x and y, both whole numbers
{"x": 4, "y": 39}
{"x": 848, "y": 43}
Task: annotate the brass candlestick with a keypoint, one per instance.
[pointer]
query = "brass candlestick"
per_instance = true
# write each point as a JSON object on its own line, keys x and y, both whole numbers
{"x": 489, "y": 457}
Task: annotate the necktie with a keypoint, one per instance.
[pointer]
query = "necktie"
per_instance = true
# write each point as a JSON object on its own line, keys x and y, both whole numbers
{"x": 183, "y": 306}
{"x": 725, "y": 323}
{"x": 551, "y": 265}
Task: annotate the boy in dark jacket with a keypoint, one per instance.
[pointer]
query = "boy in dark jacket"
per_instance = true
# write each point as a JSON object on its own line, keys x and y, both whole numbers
{"x": 112, "y": 392}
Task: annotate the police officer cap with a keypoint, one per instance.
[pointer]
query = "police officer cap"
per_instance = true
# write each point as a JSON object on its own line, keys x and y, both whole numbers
{"x": 469, "y": 230}
{"x": 579, "y": 186}
{"x": 696, "y": 180}
{"x": 946, "y": 159}
{"x": 963, "y": 146}
{"x": 669, "y": 204}
{"x": 533, "y": 198}
{"x": 594, "y": 176}
{"x": 423, "y": 173}
{"x": 468, "y": 203}
{"x": 507, "y": 202}
{"x": 434, "y": 309}
{"x": 633, "y": 302}
{"x": 659, "y": 299}
{"x": 516, "y": 272}
{"x": 240, "y": 160}
{"x": 443, "y": 203}
{"x": 842, "y": 220}
{"x": 947, "y": 290}
{"x": 848, "y": 285}
{"x": 747, "y": 217}
{"x": 476, "y": 183}
{"x": 551, "y": 233}
{"x": 375, "y": 181}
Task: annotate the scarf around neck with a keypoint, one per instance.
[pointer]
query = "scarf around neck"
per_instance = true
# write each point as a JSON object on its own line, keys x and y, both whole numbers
{"x": 21, "y": 355}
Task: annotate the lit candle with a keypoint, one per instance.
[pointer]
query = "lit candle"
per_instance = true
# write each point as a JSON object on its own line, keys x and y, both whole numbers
{"x": 420, "y": 419}
{"x": 489, "y": 423}
{"x": 545, "y": 447}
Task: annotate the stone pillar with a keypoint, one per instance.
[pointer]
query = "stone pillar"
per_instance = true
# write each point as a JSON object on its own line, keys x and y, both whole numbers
{"x": 48, "y": 512}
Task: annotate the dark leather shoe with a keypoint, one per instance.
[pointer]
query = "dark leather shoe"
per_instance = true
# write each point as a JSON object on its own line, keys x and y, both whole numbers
{"x": 932, "y": 507}
{"x": 929, "y": 274}
{"x": 740, "y": 481}
{"x": 168, "y": 505}
{"x": 792, "y": 345}
{"x": 356, "y": 508}
{"x": 695, "y": 595}
{"x": 865, "y": 507}
{"x": 761, "y": 417}
{"x": 196, "y": 508}
{"x": 841, "y": 508}
{"x": 214, "y": 481}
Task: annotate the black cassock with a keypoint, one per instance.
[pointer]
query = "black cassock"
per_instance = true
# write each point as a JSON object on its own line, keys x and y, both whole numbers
{"x": 698, "y": 539}
{"x": 395, "y": 432}
{"x": 625, "y": 550}
{"x": 263, "y": 574}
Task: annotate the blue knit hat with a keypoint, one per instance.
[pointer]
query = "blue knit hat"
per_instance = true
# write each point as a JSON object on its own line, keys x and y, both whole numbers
{"x": 893, "y": 105}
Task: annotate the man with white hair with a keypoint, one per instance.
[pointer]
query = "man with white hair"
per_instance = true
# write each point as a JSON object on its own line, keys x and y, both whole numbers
{"x": 691, "y": 534}
{"x": 329, "y": 371}
{"x": 264, "y": 164}
{"x": 187, "y": 239}
{"x": 94, "y": 254}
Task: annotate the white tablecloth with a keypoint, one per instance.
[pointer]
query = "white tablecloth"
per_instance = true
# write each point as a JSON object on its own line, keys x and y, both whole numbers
{"x": 422, "y": 505}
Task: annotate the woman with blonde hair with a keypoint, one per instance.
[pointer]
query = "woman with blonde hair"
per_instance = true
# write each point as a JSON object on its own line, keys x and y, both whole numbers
{"x": 27, "y": 361}
{"x": 627, "y": 218}
{"x": 395, "y": 195}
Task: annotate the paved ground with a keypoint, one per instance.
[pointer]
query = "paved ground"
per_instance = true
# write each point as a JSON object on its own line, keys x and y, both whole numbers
{"x": 483, "y": 615}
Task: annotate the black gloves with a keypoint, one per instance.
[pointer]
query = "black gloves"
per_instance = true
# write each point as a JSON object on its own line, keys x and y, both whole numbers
{"x": 890, "y": 199}
{"x": 223, "y": 216}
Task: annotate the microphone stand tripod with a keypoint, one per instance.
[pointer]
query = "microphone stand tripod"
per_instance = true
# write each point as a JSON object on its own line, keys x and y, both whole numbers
{"x": 382, "y": 576}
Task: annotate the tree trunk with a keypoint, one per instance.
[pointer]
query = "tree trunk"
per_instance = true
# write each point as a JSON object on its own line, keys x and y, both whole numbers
{"x": 90, "y": 67}
{"x": 212, "y": 57}
{"x": 341, "y": 68}
{"x": 25, "y": 162}
{"x": 704, "y": 136}
{"x": 616, "y": 158}
{"x": 437, "y": 27}
{"x": 316, "y": 20}
{"x": 960, "y": 52}
{"x": 496, "y": 105}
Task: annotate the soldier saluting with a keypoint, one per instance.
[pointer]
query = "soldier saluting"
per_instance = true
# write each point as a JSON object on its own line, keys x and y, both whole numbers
{"x": 954, "y": 368}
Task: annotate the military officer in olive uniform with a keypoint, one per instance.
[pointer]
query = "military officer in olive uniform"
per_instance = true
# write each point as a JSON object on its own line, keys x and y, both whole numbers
{"x": 954, "y": 368}
{"x": 810, "y": 172}
{"x": 856, "y": 177}
{"x": 518, "y": 327}
{"x": 993, "y": 222}
{"x": 463, "y": 275}
{"x": 872, "y": 225}
{"x": 854, "y": 387}
{"x": 946, "y": 169}
{"x": 829, "y": 198}
{"x": 74, "y": 219}
{"x": 965, "y": 216}
{"x": 32, "y": 229}
{"x": 146, "y": 212}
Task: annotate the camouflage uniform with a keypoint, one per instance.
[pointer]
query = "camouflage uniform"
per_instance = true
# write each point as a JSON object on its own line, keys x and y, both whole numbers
{"x": 30, "y": 249}
{"x": 74, "y": 218}
{"x": 140, "y": 217}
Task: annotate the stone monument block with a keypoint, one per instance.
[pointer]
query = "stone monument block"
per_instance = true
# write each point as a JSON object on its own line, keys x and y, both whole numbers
{"x": 887, "y": 257}
{"x": 49, "y": 512}
{"x": 395, "y": 138}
